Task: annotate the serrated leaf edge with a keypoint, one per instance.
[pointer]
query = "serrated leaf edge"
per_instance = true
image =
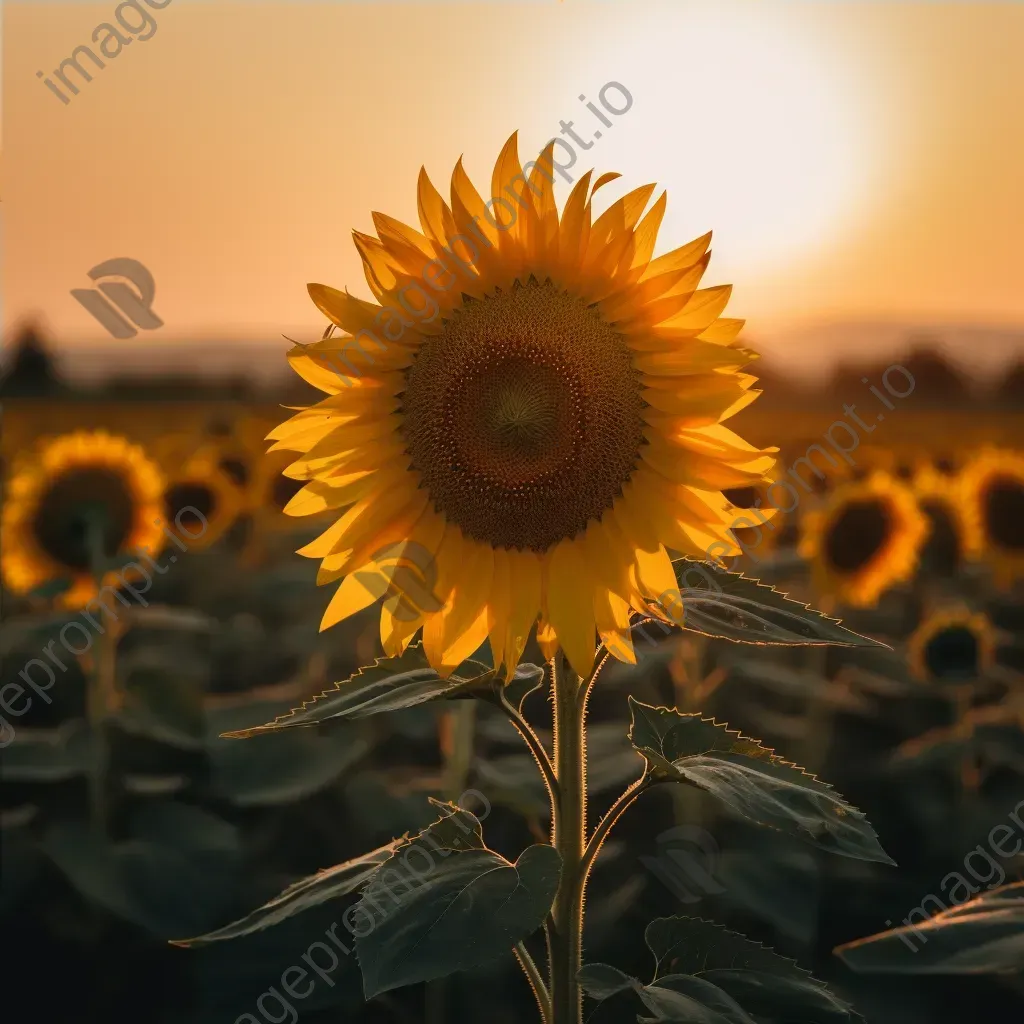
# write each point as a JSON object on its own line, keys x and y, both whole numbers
{"x": 760, "y": 946}
{"x": 772, "y": 756}
{"x": 870, "y": 641}
{"x": 279, "y": 722}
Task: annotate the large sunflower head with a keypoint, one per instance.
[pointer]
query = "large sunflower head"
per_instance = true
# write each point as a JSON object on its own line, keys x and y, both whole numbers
{"x": 952, "y": 646}
{"x": 993, "y": 498}
{"x": 864, "y": 539}
{"x": 80, "y": 498}
{"x": 535, "y": 402}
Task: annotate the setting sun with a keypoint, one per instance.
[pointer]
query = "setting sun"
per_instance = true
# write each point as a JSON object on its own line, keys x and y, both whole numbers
{"x": 757, "y": 121}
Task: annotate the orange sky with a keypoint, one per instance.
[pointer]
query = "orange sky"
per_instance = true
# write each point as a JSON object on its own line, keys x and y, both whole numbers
{"x": 857, "y": 161}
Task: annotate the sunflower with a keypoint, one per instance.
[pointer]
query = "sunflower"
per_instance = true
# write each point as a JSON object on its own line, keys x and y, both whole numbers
{"x": 753, "y": 524}
{"x": 864, "y": 539}
{"x": 952, "y": 646}
{"x": 941, "y": 498}
{"x": 535, "y": 404}
{"x": 993, "y": 497}
{"x": 202, "y": 498}
{"x": 76, "y": 490}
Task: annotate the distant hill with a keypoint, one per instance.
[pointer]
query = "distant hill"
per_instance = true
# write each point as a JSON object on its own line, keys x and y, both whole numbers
{"x": 934, "y": 356}
{"x": 977, "y": 352}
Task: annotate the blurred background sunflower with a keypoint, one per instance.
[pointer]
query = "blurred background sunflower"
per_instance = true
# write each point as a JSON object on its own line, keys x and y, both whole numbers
{"x": 952, "y": 646}
{"x": 865, "y": 538}
{"x": 74, "y": 504}
{"x": 993, "y": 497}
{"x": 942, "y": 498}
{"x": 205, "y": 488}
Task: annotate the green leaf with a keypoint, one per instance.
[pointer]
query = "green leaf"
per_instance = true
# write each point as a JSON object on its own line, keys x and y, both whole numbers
{"x": 282, "y": 768}
{"x": 690, "y": 945}
{"x": 388, "y": 685}
{"x": 331, "y": 883}
{"x": 774, "y": 997}
{"x": 755, "y": 977}
{"x": 750, "y": 780}
{"x": 676, "y": 998}
{"x": 48, "y": 755}
{"x": 600, "y": 981}
{"x": 684, "y": 999}
{"x": 174, "y": 875}
{"x": 443, "y": 902}
{"x": 732, "y": 606}
{"x": 982, "y": 936}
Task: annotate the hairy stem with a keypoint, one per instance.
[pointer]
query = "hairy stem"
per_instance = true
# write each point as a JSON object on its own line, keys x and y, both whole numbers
{"x": 607, "y": 823}
{"x": 540, "y": 990}
{"x": 569, "y": 827}
{"x": 540, "y": 755}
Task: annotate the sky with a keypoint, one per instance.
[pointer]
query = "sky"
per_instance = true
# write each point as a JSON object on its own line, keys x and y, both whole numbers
{"x": 858, "y": 162}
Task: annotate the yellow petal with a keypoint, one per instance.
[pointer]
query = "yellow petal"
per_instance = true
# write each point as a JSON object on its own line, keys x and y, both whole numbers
{"x": 571, "y": 614}
{"x": 655, "y": 574}
{"x": 355, "y": 593}
{"x": 692, "y": 357}
{"x": 699, "y": 313}
{"x": 547, "y": 638}
{"x": 525, "y": 592}
{"x": 684, "y": 256}
{"x": 724, "y": 331}
{"x": 435, "y": 216}
{"x": 498, "y": 606}
{"x": 320, "y": 495}
{"x": 611, "y": 614}
{"x": 472, "y": 588}
{"x": 396, "y": 632}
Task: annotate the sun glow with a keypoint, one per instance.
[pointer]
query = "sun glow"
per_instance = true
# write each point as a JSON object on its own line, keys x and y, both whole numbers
{"x": 756, "y": 120}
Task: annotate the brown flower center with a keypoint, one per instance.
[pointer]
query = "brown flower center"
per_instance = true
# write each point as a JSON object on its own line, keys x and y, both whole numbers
{"x": 84, "y": 507}
{"x": 188, "y": 495}
{"x": 523, "y": 417}
{"x": 1004, "y": 512}
{"x": 857, "y": 534}
{"x": 953, "y": 653}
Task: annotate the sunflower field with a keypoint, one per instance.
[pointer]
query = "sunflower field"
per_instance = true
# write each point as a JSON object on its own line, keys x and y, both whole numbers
{"x": 553, "y": 580}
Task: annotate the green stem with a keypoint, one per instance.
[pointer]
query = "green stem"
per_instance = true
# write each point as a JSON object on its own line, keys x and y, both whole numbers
{"x": 540, "y": 990}
{"x": 540, "y": 755}
{"x": 101, "y": 688}
{"x": 569, "y": 827}
{"x": 460, "y": 757}
{"x": 607, "y": 823}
